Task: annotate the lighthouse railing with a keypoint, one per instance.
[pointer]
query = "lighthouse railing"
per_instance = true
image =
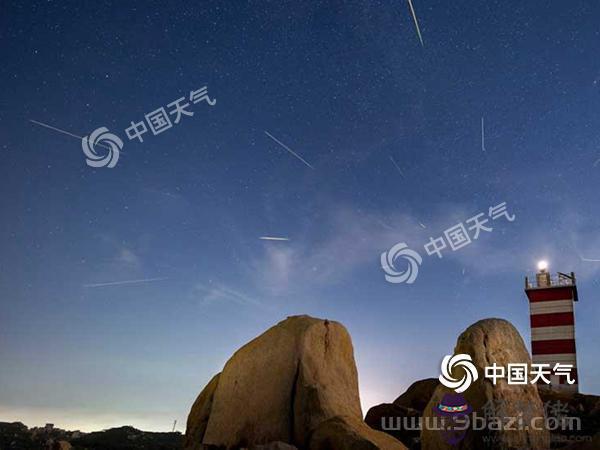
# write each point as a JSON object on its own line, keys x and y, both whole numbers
{"x": 555, "y": 280}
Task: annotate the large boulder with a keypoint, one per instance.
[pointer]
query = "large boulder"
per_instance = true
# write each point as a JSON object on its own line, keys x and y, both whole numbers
{"x": 282, "y": 386}
{"x": 490, "y": 341}
{"x": 199, "y": 414}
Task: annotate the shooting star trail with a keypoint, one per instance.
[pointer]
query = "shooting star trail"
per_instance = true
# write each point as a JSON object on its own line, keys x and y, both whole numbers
{"x": 422, "y": 226}
{"x": 45, "y": 125}
{"x": 272, "y": 238}
{"x": 589, "y": 260}
{"x": 383, "y": 224}
{"x": 119, "y": 283}
{"x": 482, "y": 136}
{"x": 397, "y": 167}
{"x": 288, "y": 149}
{"x": 412, "y": 10}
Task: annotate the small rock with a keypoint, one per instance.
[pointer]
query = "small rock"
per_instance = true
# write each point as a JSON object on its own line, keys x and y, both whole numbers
{"x": 341, "y": 433}
{"x": 274, "y": 446}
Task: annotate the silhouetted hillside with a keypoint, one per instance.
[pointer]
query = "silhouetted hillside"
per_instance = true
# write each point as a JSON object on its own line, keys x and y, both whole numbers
{"x": 17, "y": 436}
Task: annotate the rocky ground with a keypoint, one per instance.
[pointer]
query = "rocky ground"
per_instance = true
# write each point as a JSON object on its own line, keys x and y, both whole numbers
{"x": 412, "y": 404}
{"x": 296, "y": 387}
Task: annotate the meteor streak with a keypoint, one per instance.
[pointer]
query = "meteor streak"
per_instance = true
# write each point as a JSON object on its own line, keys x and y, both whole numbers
{"x": 397, "y": 167}
{"x": 119, "y": 283}
{"x": 50, "y": 127}
{"x": 288, "y": 149}
{"x": 412, "y": 10}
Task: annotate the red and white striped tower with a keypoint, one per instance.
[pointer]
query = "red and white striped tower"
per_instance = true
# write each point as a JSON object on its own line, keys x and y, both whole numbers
{"x": 553, "y": 323}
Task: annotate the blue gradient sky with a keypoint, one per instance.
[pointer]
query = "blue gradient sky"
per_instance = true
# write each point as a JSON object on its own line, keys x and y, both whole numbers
{"x": 345, "y": 84}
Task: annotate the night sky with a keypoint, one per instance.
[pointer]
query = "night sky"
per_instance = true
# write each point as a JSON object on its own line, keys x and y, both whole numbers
{"x": 124, "y": 290}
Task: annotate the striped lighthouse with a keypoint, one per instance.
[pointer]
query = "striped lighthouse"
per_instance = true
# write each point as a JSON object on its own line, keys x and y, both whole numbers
{"x": 552, "y": 320}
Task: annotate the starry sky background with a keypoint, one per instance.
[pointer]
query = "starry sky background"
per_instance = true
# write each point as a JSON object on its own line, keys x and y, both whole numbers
{"x": 346, "y": 85}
